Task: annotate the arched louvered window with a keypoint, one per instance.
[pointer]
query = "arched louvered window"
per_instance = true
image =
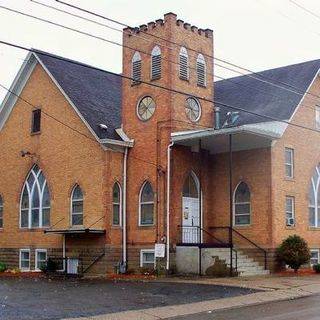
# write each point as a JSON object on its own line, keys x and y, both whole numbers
{"x": 1, "y": 212}
{"x": 155, "y": 63}
{"x": 116, "y": 205}
{"x": 242, "y": 205}
{"x": 136, "y": 68}
{"x": 146, "y": 204}
{"x": 35, "y": 201}
{"x": 201, "y": 71}
{"x": 184, "y": 64}
{"x": 77, "y": 206}
{"x": 314, "y": 199}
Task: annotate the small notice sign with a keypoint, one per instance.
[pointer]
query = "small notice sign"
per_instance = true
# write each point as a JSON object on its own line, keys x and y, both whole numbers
{"x": 159, "y": 250}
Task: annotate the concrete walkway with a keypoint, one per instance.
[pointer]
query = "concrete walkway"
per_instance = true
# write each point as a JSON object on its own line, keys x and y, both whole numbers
{"x": 276, "y": 289}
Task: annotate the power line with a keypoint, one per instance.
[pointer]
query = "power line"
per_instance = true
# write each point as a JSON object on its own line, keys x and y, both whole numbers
{"x": 164, "y": 88}
{"x": 131, "y": 48}
{"x": 119, "y": 44}
{"x": 230, "y": 69}
{"x": 305, "y": 9}
{"x": 188, "y": 48}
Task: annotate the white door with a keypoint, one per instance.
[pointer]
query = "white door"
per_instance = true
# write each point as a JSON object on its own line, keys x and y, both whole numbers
{"x": 72, "y": 266}
{"x": 190, "y": 220}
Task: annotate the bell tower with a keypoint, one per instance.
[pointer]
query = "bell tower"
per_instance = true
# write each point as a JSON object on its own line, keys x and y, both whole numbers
{"x": 168, "y": 65}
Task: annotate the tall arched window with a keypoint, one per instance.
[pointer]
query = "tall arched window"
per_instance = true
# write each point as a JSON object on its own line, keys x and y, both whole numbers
{"x": 1, "y": 212}
{"x": 146, "y": 204}
{"x": 184, "y": 64}
{"x": 242, "y": 205}
{"x": 155, "y": 63}
{"x": 314, "y": 199}
{"x": 201, "y": 71}
{"x": 77, "y": 206}
{"x": 35, "y": 201}
{"x": 136, "y": 68}
{"x": 116, "y": 205}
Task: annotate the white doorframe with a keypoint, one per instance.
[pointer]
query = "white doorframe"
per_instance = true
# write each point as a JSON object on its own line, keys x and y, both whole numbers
{"x": 200, "y": 214}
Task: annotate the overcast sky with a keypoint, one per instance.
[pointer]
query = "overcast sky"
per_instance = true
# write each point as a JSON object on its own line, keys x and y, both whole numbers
{"x": 255, "y": 34}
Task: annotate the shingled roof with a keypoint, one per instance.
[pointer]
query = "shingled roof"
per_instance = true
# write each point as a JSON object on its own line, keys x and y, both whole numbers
{"x": 95, "y": 93}
{"x": 248, "y": 93}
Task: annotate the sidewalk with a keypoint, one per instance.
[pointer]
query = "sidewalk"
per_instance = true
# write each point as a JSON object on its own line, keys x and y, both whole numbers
{"x": 275, "y": 289}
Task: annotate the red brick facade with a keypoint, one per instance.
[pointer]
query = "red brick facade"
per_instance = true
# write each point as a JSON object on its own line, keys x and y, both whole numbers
{"x": 68, "y": 157}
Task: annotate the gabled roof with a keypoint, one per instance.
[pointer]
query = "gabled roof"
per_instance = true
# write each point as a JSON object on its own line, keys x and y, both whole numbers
{"x": 260, "y": 97}
{"x": 95, "y": 93}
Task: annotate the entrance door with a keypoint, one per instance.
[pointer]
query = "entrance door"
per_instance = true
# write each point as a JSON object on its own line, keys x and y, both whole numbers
{"x": 191, "y": 232}
{"x": 72, "y": 266}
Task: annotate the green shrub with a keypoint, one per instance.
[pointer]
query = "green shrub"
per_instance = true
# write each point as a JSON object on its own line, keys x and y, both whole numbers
{"x": 294, "y": 252}
{"x": 316, "y": 267}
{"x": 3, "y": 267}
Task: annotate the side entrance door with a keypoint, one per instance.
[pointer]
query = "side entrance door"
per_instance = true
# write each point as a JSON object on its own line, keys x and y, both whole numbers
{"x": 190, "y": 219}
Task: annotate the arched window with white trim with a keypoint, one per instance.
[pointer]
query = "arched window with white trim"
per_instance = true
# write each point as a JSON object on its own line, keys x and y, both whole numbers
{"x": 77, "y": 206}
{"x": 35, "y": 201}
{"x": 314, "y": 199}
{"x": 242, "y": 205}
{"x": 156, "y": 63}
{"x": 136, "y": 68}
{"x": 146, "y": 204}
{"x": 1, "y": 212}
{"x": 116, "y": 204}
{"x": 201, "y": 71}
{"x": 183, "y": 64}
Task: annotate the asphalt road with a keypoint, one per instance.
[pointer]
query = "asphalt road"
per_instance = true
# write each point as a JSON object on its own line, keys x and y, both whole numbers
{"x": 299, "y": 309}
{"x": 25, "y": 299}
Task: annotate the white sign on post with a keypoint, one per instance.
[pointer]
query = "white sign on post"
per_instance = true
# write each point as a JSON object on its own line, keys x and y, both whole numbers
{"x": 159, "y": 250}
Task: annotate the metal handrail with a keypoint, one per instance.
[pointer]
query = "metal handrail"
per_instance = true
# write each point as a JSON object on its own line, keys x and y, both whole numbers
{"x": 217, "y": 239}
{"x": 207, "y": 232}
{"x": 247, "y": 239}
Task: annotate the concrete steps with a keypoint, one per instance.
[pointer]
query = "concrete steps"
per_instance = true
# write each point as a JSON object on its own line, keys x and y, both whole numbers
{"x": 246, "y": 266}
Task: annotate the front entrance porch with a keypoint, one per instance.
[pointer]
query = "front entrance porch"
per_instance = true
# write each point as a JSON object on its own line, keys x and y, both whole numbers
{"x": 217, "y": 225}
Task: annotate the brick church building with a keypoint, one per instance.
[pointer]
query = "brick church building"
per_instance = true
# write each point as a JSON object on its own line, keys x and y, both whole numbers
{"x": 159, "y": 166}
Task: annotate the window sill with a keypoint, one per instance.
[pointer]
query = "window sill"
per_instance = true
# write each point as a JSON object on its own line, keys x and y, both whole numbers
{"x": 290, "y": 227}
{"x": 114, "y": 226}
{"x": 146, "y": 225}
{"x": 184, "y": 79}
{"x": 35, "y": 133}
{"x": 314, "y": 228}
{"x": 289, "y": 179}
{"x": 133, "y": 84}
{"x": 242, "y": 226}
{"x": 201, "y": 86}
{"x": 33, "y": 229}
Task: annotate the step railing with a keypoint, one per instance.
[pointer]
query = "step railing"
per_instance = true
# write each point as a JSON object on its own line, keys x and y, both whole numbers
{"x": 236, "y": 239}
{"x": 194, "y": 236}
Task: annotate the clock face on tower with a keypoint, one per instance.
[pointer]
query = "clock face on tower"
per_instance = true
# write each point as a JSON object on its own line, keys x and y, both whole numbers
{"x": 193, "y": 109}
{"x": 146, "y": 108}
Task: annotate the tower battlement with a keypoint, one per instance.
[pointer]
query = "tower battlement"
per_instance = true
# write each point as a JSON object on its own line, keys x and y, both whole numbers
{"x": 169, "y": 18}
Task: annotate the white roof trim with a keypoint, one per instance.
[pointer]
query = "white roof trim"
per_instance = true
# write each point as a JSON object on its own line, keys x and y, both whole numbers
{"x": 116, "y": 142}
{"x": 67, "y": 98}
{"x": 16, "y": 87}
{"x": 273, "y": 130}
{"x": 19, "y": 83}
{"x": 304, "y": 95}
{"x": 124, "y": 136}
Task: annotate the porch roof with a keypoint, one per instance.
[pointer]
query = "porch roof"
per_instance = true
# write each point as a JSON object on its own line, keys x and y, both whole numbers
{"x": 245, "y": 137}
{"x": 76, "y": 231}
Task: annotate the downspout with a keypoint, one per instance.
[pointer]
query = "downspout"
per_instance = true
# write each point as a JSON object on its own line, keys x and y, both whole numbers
{"x": 168, "y": 204}
{"x": 124, "y": 210}
{"x": 64, "y": 252}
